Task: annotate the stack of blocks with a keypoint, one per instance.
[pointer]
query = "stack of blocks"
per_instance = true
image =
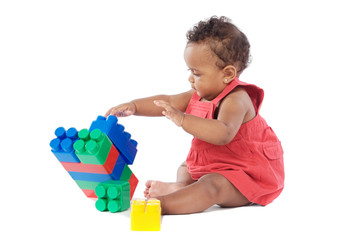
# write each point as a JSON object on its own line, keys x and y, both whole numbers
{"x": 97, "y": 159}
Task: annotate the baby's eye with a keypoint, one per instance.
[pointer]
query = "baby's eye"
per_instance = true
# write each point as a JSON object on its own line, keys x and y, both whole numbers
{"x": 193, "y": 72}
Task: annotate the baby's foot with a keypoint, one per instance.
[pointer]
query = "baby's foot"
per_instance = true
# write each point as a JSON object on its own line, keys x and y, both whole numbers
{"x": 156, "y": 188}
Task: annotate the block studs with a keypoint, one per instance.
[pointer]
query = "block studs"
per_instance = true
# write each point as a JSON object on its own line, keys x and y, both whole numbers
{"x": 84, "y": 134}
{"x": 60, "y": 133}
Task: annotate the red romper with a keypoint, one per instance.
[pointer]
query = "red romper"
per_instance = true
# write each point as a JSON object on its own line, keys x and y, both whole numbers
{"x": 252, "y": 161}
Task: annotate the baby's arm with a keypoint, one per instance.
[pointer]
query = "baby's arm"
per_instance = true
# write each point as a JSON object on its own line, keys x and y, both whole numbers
{"x": 234, "y": 110}
{"x": 146, "y": 107}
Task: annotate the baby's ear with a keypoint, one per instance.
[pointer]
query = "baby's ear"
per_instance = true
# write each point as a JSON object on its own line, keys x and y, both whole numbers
{"x": 230, "y": 73}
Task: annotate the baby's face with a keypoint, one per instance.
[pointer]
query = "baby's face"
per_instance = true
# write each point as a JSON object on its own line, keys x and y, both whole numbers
{"x": 206, "y": 78}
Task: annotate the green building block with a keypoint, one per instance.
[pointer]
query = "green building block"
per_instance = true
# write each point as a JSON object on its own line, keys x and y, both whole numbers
{"x": 126, "y": 174}
{"x": 87, "y": 184}
{"x": 93, "y": 147}
{"x": 113, "y": 196}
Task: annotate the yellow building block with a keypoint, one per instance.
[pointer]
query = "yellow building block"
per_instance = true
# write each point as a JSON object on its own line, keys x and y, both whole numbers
{"x": 145, "y": 216}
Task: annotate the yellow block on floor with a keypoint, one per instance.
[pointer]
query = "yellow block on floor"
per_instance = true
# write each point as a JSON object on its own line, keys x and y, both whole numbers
{"x": 145, "y": 215}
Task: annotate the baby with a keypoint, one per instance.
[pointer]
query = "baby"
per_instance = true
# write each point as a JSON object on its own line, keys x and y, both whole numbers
{"x": 235, "y": 158}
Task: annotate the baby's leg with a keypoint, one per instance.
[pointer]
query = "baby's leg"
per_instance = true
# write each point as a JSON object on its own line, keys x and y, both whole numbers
{"x": 183, "y": 176}
{"x": 157, "y": 188}
{"x": 209, "y": 190}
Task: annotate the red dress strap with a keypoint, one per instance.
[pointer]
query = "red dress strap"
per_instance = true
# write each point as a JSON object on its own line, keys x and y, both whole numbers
{"x": 255, "y": 93}
{"x": 206, "y": 109}
{"x": 235, "y": 82}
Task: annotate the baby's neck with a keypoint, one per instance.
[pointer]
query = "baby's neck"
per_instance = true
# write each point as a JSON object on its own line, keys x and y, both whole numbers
{"x": 204, "y": 100}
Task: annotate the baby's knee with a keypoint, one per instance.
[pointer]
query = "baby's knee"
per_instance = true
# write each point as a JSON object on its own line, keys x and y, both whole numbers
{"x": 213, "y": 184}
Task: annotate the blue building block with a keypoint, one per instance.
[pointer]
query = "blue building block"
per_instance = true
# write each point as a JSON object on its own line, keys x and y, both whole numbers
{"x": 97, "y": 177}
{"x": 121, "y": 140}
{"x": 90, "y": 177}
{"x": 62, "y": 145}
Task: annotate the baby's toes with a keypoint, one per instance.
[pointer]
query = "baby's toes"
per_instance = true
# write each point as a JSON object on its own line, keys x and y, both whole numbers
{"x": 148, "y": 184}
{"x": 146, "y": 193}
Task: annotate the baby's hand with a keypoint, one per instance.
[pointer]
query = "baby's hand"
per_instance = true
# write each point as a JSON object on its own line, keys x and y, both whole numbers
{"x": 170, "y": 112}
{"x": 122, "y": 110}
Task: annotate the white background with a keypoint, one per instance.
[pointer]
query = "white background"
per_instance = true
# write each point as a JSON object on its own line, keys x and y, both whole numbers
{"x": 62, "y": 63}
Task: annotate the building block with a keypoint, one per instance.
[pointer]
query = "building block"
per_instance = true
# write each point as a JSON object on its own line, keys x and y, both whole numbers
{"x": 92, "y": 147}
{"x": 88, "y": 187}
{"x": 122, "y": 172}
{"x": 122, "y": 140}
{"x": 145, "y": 216}
{"x": 62, "y": 145}
{"x": 106, "y": 168}
{"x": 133, "y": 182}
{"x": 126, "y": 174}
{"x": 119, "y": 168}
{"x": 113, "y": 196}
{"x": 89, "y": 193}
{"x": 91, "y": 177}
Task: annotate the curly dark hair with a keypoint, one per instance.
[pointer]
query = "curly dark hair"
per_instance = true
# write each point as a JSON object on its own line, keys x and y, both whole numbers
{"x": 226, "y": 41}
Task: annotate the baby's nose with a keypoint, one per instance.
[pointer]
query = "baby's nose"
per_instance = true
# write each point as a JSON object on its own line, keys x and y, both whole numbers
{"x": 191, "y": 79}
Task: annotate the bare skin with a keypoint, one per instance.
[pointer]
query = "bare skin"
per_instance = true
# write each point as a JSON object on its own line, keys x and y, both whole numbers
{"x": 157, "y": 188}
{"x": 209, "y": 190}
{"x": 187, "y": 195}
{"x": 196, "y": 195}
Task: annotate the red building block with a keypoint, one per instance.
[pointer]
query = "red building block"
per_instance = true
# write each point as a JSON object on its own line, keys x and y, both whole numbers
{"x": 90, "y": 193}
{"x": 133, "y": 181}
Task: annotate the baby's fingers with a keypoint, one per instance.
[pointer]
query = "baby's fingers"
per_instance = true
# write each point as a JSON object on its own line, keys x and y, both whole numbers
{"x": 108, "y": 113}
{"x": 161, "y": 103}
{"x": 119, "y": 112}
{"x": 168, "y": 109}
{"x": 122, "y": 113}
